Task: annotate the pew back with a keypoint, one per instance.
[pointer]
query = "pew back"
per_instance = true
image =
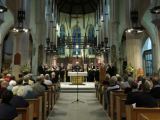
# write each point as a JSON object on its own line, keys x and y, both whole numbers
{"x": 19, "y": 117}
{"x": 133, "y": 113}
{"x": 112, "y": 103}
{"x": 37, "y": 107}
{"x": 142, "y": 117}
{"x": 120, "y": 106}
{"x": 27, "y": 113}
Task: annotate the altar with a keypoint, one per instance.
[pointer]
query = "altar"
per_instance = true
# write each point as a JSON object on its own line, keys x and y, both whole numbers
{"x": 77, "y": 77}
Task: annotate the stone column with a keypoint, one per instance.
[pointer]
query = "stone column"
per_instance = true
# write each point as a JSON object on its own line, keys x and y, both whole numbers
{"x": 133, "y": 49}
{"x": 156, "y": 54}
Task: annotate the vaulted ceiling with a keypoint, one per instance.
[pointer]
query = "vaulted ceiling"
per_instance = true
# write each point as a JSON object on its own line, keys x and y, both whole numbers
{"x": 77, "y": 6}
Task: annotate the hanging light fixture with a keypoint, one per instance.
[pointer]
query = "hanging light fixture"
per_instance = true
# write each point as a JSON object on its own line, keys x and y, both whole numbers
{"x": 156, "y": 8}
{"x": 3, "y": 8}
{"x": 20, "y": 22}
{"x": 136, "y": 26}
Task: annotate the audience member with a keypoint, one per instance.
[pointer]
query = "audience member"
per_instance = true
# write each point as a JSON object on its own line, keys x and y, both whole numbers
{"x": 7, "y": 111}
{"x": 12, "y": 83}
{"x": 144, "y": 98}
{"x": 53, "y": 78}
{"x": 15, "y": 88}
{"x": 18, "y": 102}
{"x": 47, "y": 80}
{"x": 4, "y": 85}
{"x": 155, "y": 91}
{"x": 37, "y": 87}
{"x": 26, "y": 90}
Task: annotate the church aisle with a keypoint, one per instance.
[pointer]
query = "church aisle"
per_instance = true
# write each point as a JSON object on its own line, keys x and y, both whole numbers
{"x": 66, "y": 110}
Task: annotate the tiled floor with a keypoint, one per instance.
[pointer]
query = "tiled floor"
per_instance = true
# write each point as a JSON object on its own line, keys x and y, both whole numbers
{"x": 89, "y": 110}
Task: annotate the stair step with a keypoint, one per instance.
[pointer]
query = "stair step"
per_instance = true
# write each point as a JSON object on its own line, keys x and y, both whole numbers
{"x": 80, "y": 90}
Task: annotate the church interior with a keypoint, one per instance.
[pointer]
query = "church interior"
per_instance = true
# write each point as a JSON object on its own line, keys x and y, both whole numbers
{"x": 79, "y": 59}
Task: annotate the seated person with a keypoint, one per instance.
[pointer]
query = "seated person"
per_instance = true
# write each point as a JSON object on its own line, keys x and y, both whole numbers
{"x": 42, "y": 82}
{"x": 12, "y": 83}
{"x": 53, "y": 78}
{"x": 4, "y": 85}
{"x": 18, "y": 102}
{"x": 132, "y": 93}
{"x": 26, "y": 91}
{"x": 7, "y": 111}
{"x": 144, "y": 98}
{"x": 16, "y": 87}
{"x": 47, "y": 80}
{"x": 112, "y": 86}
{"x": 37, "y": 87}
{"x": 155, "y": 91}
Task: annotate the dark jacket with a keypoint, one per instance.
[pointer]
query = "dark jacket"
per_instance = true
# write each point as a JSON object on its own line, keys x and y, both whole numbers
{"x": 142, "y": 99}
{"x": 155, "y": 92}
{"x": 18, "y": 102}
{"x": 7, "y": 112}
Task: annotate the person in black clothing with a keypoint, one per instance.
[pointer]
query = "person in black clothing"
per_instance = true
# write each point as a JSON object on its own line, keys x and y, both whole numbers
{"x": 91, "y": 73}
{"x": 62, "y": 72}
{"x": 41, "y": 69}
{"x": 19, "y": 102}
{"x": 112, "y": 70}
{"x": 142, "y": 99}
{"x": 7, "y": 111}
{"x": 155, "y": 91}
{"x": 96, "y": 74}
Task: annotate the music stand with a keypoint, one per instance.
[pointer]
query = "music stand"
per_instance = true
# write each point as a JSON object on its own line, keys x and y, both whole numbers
{"x": 77, "y": 100}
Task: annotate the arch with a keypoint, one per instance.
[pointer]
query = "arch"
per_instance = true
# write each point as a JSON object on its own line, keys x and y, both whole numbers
{"x": 152, "y": 31}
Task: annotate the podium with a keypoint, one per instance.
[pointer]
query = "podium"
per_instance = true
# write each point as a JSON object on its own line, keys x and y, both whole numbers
{"x": 77, "y": 77}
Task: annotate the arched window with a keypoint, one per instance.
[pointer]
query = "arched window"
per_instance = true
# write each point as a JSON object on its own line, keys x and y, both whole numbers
{"x": 62, "y": 33}
{"x": 76, "y": 39}
{"x": 91, "y": 34}
{"x": 61, "y": 49}
{"x": 90, "y": 38}
{"x": 147, "y": 57}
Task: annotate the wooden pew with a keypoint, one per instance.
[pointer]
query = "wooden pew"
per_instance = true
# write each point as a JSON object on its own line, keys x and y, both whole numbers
{"x": 27, "y": 112}
{"x": 56, "y": 92}
{"x": 100, "y": 94}
{"x": 142, "y": 117}
{"x": 120, "y": 106}
{"x": 37, "y": 107}
{"x": 19, "y": 117}
{"x": 132, "y": 113}
{"x": 48, "y": 103}
{"x": 44, "y": 106}
{"x": 112, "y": 103}
{"x": 51, "y": 99}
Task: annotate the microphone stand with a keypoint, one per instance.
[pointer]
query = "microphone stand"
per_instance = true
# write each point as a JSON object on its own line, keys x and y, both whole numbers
{"x": 77, "y": 100}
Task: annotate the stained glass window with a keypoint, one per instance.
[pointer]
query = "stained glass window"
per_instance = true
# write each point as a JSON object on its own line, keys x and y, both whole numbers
{"x": 61, "y": 49}
{"x": 76, "y": 39}
{"x": 91, "y": 38}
